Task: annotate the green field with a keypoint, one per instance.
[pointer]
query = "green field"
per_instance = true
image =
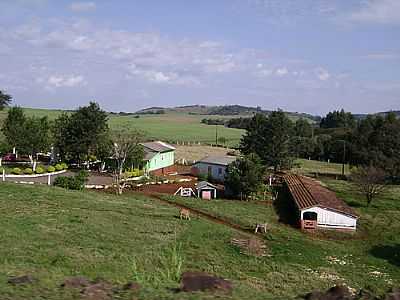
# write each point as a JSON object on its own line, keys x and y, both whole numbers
{"x": 173, "y": 127}
{"x": 310, "y": 167}
{"x": 51, "y": 234}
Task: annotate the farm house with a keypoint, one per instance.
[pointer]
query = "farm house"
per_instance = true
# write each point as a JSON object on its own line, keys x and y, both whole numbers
{"x": 213, "y": 166}
{"x": 159, "y": 158}
{"x": 319, "y": 207}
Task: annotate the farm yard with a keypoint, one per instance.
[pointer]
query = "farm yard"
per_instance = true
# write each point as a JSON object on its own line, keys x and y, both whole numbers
{"x": 66, "y": 233}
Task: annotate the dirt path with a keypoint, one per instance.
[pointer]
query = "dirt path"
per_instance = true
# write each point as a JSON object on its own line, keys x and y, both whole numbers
{"x": 205, "y": 215}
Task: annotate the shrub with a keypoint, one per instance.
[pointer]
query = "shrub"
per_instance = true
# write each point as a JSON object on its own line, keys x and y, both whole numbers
{"x": 16, "y": 171}
{"x": 76, "y": 182}
{"x": 51, "y": 169}
{"x": 64, "y": 166}
{"x": 28, "y": 171}
{"x": 59, "y": 167}
{"x": 39, "y": 170}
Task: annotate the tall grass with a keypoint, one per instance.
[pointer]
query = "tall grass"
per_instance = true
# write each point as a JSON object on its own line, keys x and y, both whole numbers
{"x": 165, "y": 268}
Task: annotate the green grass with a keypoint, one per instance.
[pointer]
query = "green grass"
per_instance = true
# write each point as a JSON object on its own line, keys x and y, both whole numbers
{"x": 171, "y": 127}
{"x": 322, "y": 167}
{"x": 52, "y": 234}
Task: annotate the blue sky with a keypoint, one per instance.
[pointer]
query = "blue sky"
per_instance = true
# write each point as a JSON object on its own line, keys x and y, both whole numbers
{"x": 310, "y": 55}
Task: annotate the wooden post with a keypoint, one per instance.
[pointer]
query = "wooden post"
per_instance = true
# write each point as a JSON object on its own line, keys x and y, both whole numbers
{"x": 4, "y": 175}
{"x": 49, "y": 179}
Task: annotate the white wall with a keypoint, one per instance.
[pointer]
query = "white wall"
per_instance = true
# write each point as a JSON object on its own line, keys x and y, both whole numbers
{"x": 331, "y": 219}
{"x": 217, "y": 171}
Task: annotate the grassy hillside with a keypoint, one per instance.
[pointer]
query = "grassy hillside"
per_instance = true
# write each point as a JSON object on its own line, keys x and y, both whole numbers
{"x": 307, "y": 167}
{"x": 52, "y": 234}
{"x": 170, "y": 127}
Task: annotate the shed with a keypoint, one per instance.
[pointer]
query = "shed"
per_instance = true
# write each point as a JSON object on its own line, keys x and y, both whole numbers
{"x": 213, "y": 166}
{"x": 318, "y": 207}
{"x": 206, "y": 190}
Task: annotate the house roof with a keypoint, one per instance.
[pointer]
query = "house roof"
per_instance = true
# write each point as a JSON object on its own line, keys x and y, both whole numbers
{"x": 307, "y": 193}
{"x": 218, "y": 160}
{"x": 158, "y": 146}
{"x": 205, "y": 184}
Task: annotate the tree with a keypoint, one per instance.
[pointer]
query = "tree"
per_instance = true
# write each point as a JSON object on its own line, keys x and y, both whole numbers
{"x": 244, "y": 176}
{"x": 337, "y": 119}
{"x": 81, "y": 134}
{"x": 126, "y": 150}
{"x": 370, "y": 181}
{"x": 14, "y": 127}
{"x": 5, "y": 100}
{"x": 302, "y": 128}
{"x": 269, "y": 138}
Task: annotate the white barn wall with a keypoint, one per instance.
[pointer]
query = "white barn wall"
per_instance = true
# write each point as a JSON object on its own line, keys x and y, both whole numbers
{"x": 331, "y": 219}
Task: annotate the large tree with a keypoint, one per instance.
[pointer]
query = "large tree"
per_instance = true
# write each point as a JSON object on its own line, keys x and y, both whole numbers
{"x": 269, "y": 137}
{"x": 14, "y": 127}
{"x": 244, "y": 176}
{"x": 5, "y": 100}
{"x": 82, "y": 133}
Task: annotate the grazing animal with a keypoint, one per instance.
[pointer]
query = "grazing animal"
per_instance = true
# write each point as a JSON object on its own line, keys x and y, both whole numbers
{"x": 261, "y": 227}
{"x": 185, "y": 214}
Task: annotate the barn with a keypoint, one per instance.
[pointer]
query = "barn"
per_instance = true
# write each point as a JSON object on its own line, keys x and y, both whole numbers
{"x": 317, "y": 206}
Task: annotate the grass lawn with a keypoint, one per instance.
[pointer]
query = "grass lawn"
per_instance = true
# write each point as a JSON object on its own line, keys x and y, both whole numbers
{"x": 313, "y": 166}
{"x": 171, "y": 127}
{"x": 51, "y": 234}
{"x": 369, "y": 259}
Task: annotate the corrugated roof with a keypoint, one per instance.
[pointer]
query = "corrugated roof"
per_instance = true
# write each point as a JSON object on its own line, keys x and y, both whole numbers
{"x": 217, "y": 160}
{"x": 203, "y": 184}
{"x": 158, "y": 146}
{"x": 307, "y": 193}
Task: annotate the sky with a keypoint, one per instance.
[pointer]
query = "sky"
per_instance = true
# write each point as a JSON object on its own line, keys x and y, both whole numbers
{"x": 309, "y": 56}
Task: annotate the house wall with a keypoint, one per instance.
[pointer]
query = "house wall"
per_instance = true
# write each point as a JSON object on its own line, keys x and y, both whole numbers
{"x": 161, "y": 160}
{"x": 331, "y": 219}
{"x": 217, "y": 171}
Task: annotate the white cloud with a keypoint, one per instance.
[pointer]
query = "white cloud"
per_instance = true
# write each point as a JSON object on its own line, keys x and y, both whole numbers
{"x": 282, "y": 72}
{"x": 58, "y": 81}
{"x": 82, "y": 6}
{"x": 378, "y": 11}
{"x": 322, "y": 74}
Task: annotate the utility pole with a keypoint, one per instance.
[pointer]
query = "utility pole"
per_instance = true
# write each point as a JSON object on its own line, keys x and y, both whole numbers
{"x": 344, "y": 156}
{"x": 216, "y": 135}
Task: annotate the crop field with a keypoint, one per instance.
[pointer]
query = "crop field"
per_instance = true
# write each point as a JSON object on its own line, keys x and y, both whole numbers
{"x": 173, "y": 127}
{"x": 52, "y": 234}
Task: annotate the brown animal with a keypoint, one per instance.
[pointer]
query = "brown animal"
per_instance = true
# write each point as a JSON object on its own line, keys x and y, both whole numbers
{"x": 185, "y": 214}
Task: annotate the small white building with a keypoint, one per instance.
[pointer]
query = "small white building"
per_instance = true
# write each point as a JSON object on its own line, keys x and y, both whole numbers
{"x": 214, "y": 167}
{"x": 319, "y": 207}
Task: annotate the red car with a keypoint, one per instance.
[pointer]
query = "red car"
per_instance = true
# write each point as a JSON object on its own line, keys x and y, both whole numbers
{"x": 9, "y": 157}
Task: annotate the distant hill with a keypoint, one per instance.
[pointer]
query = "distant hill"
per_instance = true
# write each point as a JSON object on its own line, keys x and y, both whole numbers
{"x": 223, "y": 110}
{"x": 383, "y": 114}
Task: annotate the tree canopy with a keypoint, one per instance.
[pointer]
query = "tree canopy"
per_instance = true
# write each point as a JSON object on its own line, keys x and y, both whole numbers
{"x": 5, "y": 100}
{"x": 269, "y": 138}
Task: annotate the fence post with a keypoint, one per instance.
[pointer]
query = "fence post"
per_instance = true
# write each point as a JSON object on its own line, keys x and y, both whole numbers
{"x": 49, "y": 179}
{"x": 4, "y": 175}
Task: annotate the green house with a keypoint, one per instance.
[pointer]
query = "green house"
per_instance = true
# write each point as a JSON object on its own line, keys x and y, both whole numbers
{"x": 159, "y": 158}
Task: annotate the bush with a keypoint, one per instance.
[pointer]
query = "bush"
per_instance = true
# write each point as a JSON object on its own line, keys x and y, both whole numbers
{"x": 16, "y": 171}
{"x": 64, "y": 166}
{"x": 51, "y": 169}
{"x": 59, "y": 167}
{"x": 28, "y": 171}
{"x": 39, "y": 170}
{"x": 76, "y": 182}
